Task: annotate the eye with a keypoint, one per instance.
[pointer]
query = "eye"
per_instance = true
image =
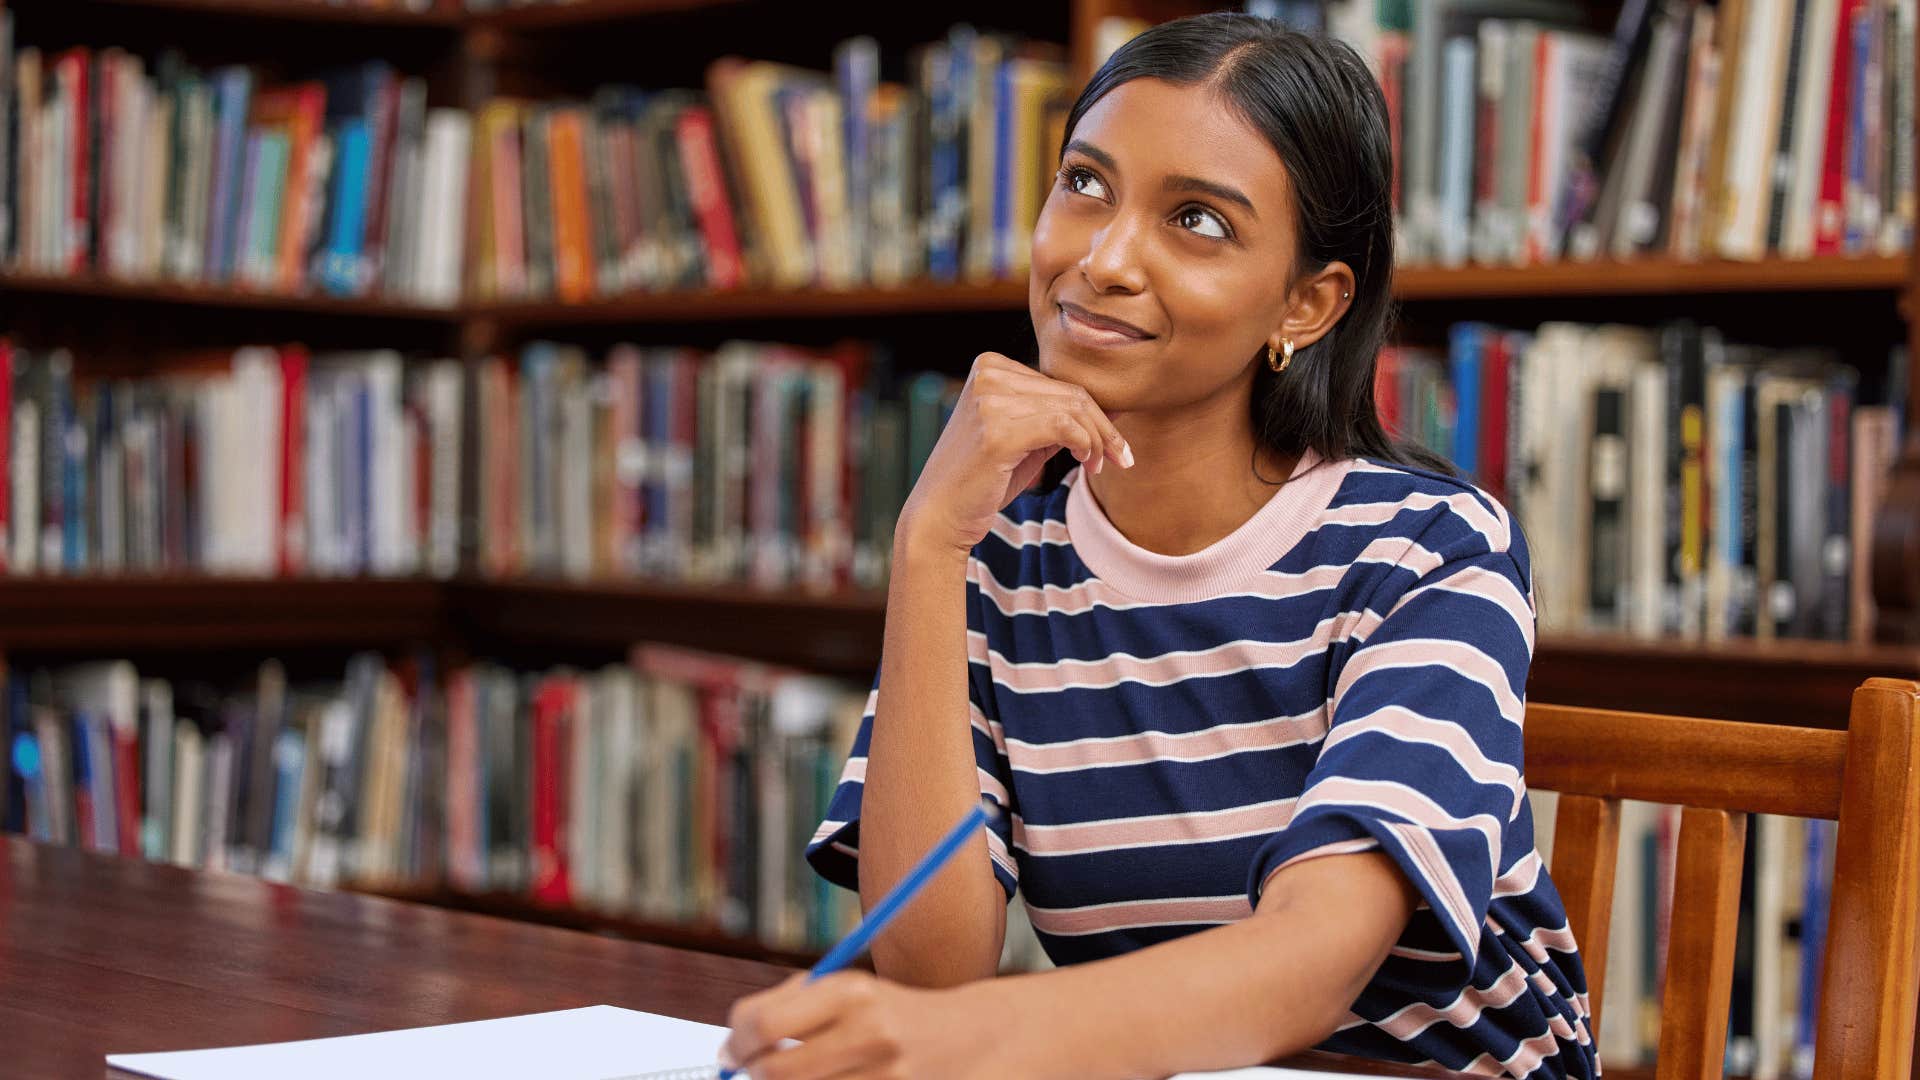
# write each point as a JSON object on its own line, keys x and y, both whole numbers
{"x": 1082, "y": 181}
{"x": 1195, "y": 217}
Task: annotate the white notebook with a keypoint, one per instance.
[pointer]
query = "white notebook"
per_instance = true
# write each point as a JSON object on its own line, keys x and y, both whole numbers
{"x": 600, "y": 1042}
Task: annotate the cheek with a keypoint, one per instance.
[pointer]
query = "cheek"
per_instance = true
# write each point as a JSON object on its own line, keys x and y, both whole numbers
{"x": 1054, "y": 238}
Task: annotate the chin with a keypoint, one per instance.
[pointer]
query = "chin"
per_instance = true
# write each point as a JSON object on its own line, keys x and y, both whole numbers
{"x": 1114, "y": 389}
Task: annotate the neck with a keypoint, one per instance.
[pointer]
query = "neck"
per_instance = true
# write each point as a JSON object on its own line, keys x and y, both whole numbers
{"x": 1199, "y": 473}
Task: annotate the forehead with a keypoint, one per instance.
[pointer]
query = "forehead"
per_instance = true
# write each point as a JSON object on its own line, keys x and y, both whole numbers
{"x": 1154, "y": 128}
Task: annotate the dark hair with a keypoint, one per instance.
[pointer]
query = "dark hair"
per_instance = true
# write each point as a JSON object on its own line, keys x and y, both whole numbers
{"x": 1324, "y": 114}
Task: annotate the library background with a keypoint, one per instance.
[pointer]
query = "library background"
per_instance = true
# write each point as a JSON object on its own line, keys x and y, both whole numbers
{"x": 449, "y": 450}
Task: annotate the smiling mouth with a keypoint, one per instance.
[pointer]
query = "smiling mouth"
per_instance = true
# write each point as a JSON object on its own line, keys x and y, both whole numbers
{"x": 1088, "y": 322}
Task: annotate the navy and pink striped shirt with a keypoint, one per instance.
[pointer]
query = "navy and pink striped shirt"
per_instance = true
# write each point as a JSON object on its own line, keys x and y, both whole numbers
{"x": 1344, "y": 672}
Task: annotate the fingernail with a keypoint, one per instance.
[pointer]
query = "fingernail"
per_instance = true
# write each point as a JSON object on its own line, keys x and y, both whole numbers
{"x": 1126, "y": 455}
{"x": 726, "y": 1059}
{"x": 1096, "y": 465}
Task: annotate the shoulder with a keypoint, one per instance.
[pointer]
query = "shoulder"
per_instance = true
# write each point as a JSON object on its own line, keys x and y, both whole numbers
{"x": 1448, "y": 516}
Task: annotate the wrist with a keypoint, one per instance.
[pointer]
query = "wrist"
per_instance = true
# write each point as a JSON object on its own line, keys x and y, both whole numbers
{"x": 917, "y": 543}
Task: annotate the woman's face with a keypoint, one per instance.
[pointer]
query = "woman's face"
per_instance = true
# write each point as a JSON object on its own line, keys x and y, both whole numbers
{"x": 1173, "y": 216}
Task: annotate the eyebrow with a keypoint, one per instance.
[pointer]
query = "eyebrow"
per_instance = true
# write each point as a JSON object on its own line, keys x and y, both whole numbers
{"x": 1174, "y": 183}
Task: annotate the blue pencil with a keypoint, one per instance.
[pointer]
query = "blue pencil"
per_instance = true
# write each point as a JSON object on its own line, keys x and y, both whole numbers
{"x": 856, "y": 943}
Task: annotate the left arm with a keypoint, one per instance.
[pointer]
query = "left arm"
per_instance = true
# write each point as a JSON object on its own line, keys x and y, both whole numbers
{"x": 1323, "y": 927}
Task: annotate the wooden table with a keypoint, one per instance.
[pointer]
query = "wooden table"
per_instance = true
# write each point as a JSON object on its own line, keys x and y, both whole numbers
{"x": 104, "y": 955}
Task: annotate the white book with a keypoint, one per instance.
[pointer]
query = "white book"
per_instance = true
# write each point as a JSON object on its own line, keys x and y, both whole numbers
{"x": 585, "y": 732}
{"x": 614, "y": 698}
{"x": 443, "y": 225}
{"x": 1646, "y": 500}
{"x": 1749, "y": 161}
{"x": 189, "y": 777}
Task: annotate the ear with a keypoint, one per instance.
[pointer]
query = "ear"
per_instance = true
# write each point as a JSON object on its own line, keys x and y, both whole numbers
{"x": 1314, "y": 304}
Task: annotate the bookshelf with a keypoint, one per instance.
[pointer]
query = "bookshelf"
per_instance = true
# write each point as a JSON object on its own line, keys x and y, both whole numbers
{"x": 468, "y": 58}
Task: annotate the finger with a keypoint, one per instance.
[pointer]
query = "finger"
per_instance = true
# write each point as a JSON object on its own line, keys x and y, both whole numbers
{"x": 1066, "y": 427}
{"x": 835, "y": 1053}
{"x": 1018, "y": 426}
{"x": 795, "y": 1009}
{"x": 1114, "y": 445}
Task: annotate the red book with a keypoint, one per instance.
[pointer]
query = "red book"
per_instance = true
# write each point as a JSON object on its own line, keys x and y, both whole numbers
{"x": 1494, "y": 370}
{"x": 707, "y": 190}
{"x": 1830, "y": 210}
{"x": 552, "y": 702}
{"x": 107, "y": 91}
{"x": 125, "y": 731}
{"x": 71, "y": 71}
{"x": 1386, "y": 390}
{"x": 293, "y": 459}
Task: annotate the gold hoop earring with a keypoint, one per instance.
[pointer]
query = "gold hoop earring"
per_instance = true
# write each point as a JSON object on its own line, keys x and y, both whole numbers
{"x": 1286, "y": 353}
{"x": 1273, "y": 360}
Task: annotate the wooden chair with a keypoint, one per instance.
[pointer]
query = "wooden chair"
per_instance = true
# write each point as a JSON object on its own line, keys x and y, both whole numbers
{"x": 1867, "y": 778}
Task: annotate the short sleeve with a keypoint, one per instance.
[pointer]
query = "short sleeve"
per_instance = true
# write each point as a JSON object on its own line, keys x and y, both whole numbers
{"x": 834, "y": 850}
{"x": 1422, "y": 757}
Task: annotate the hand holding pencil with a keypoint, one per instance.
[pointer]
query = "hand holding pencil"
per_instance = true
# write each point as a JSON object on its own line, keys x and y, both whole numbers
{"x": 850, "y": 1019}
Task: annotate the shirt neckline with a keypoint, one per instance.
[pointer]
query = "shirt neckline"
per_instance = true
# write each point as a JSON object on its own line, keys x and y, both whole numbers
{"x": 1273, "y": 530}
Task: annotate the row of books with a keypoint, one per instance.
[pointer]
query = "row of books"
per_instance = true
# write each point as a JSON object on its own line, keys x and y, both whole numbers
{"x": 347, "y": 184}
{"x": 759, "y": 463}
{"x": 1671, "y": 483}
{"x": 1786, "y": 890}
{"x": 776, "y": 175}
{"x": 678, "y": 787}
{"x": 1738, "y": 129}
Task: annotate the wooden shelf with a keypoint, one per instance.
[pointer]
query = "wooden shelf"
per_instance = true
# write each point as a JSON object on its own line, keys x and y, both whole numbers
{"x": 104, "y": 614}
{"x": 839, "y": 633}
{"x": 1807, "y": 683}
{"x": 709, "y": 305}
{"x": 1652, "y": 277}
{"x": 705, "y": 938}
{"x": 1412, "y": 285}
{"x": 580, "y": 13}
{"x": 312, "y": 11}
{"x": 88, "y": 286}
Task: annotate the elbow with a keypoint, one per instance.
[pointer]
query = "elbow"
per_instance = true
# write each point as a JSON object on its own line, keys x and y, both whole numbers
{"x": 937, "y": 966}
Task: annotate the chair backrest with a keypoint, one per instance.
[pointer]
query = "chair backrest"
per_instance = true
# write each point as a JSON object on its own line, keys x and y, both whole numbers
{"x": 1867, "y": 778}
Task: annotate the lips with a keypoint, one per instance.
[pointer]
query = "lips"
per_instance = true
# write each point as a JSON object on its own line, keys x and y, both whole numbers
{"x": 1103, "y": 322}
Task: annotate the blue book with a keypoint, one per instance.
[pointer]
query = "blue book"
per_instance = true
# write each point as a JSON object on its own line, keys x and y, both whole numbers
{"x": 1464, "y": 344}
{"x": 1003, "y": 179}
{"x": 73, "y": 477}
{"x": 339, "y": 271}
{"x": 539, "y": 436}
{"x": 950, "y": 186}
{"x": 856, "y": 65}
{"x": 246, "y": 220}
{"x": 233, "y": 87}
{"x": 1855, "y": 187}
{"x": 289, "y": 768}
{"x": 14, "y": 727}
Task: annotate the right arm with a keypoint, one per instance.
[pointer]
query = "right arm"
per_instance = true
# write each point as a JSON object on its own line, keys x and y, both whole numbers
{"x": 921, "y": 774}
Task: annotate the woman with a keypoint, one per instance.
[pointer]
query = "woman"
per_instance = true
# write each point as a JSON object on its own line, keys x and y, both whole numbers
{"x": 1248, "y": 679}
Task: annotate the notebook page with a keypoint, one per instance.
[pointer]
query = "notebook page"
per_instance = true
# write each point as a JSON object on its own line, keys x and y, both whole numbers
{"x": 573, "y": 1044}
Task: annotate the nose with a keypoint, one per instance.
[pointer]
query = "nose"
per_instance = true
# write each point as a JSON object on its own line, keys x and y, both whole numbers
{"x": 1112, "y": 262}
